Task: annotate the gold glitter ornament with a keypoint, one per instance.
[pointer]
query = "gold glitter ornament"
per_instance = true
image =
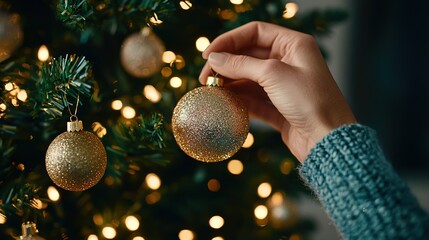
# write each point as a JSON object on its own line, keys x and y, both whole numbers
{"x": 141, "y": 54}
{"x": 210, "y": 123}
{"x": 76, "y": 159}
{"x": 10, "y": 34}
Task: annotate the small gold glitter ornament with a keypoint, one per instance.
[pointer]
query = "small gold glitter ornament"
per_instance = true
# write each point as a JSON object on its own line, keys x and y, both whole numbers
{"x": 210, "y": 123}
{"x": 10, "y": 34}
{"x": 141, "y": 54}
{"x": 76, "y": 159}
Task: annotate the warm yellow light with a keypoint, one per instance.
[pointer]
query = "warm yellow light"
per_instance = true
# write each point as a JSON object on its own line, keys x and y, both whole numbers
{"x": 168, "y": 57}
{"x": 202, "y": 43}
{"x": 235, "y": 167}
{"x": 264, "y": 190}
{"x": 290, "y": 10}
{"x": 217, "y": 238}
{"x": 14, "y": 102}
{"x": 287, "y": 166}
{"x": 92, "y": 237}
{"x": 236, "y": 2}
{"x": 155, "y": 20}
{"x": 132, "y": 223}
{"x": 138, "y": 238}
{"x": 186, "y": 234}
{"x": 175, "y": 82}
{"x": 185, "y": 5}
{"x": 213, "y": 185}
{"x": 153, "y": 181}
{"x": 117, "y": 105}
{"x": 216, "y": 222}
{"x": 151, "y": 93}
{"x": 128, "y": 112}
{"x": 153, "y": 197}
{"x": 2, "y": 218}
{"x": 98, "y": 219}
{"x": 166, "y": 71}
{"x": 109, "y": 232}
{"x": 43, "y": 53}
{"x": 8, "y": 86}
{"x": 3, "y": 107}
{"x": 99, "y": 129}
{"x": 277, "y": 199}
{"x": 249, "y": 141}
{"x": 53, "y": 194}
{"x": 261, "y": 212}
{"x": 22, "y": 95}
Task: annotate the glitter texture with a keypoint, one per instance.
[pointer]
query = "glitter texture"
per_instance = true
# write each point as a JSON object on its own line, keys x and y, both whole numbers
{"x": 141, "y": 54}
{"x": 76, "y": 161}
{"x": 210, "y": 124}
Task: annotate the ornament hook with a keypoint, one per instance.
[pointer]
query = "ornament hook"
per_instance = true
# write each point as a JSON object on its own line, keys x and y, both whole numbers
{"x": 73, "y": 116}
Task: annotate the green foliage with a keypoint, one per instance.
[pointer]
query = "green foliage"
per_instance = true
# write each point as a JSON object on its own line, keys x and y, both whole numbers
{"x": 74, "y": 13}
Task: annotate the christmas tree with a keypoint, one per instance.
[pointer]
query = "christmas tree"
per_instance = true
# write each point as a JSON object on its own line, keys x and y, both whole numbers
{"x": 120, "y": 67}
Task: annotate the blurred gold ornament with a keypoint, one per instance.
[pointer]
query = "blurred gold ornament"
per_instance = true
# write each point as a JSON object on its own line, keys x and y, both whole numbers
{"x": 141, "y": 54}
{"x": 10, "y": 34}
{"x": 210, "y": 123}
{"x": 76, "y": 159}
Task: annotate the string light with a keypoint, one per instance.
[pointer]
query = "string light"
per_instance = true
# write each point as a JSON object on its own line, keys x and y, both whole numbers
{"x": 217, "y": 238}
{"x": 128, "y": 112}
{"x": 202, "y": 43}
{"x": 98, "y": 219}
{"x": 53, "y": 194}
{"x": 8, "y": 86}
{"x": 261, "y": 212}
{"x": 151, "y": 93}
{"x": 138, "y": 238}
{"x": 175, "y": 82}
{"x": 185, "y": 5}
{"x": 92, "y": 237}
{"x": 166, "y": 71}
{"x": 153, "y": 181}
{"x": 109, "y": 232}
{"x": 132, "y": 223}
{"x": 290, "y": 10}
{"x": 264, "y": 190}
{"x": 168, "y": 56}
{"x": 186, "y": 234}
{"x": 117, "y": 105}
{"x": 153, "y": 197}
{"x": 213, "y": 185}
{"x": 43, "y": 53}
{"x": 22, "y": 95}
{"x": 3, "y": 107}
{"x": 99, "y": 129}
{"x": 155, "y": 20}
{"x": 236, "y": 2}
{"x": 277, "y": 199}
{"x": 249, "y": 141}
{"x": 2, "y": 218}
{"x": 235, "y": 167}
{"x": 216, "y": 222}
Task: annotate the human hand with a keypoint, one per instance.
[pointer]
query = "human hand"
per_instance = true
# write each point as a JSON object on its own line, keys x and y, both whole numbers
{"x": 283, "y": 79}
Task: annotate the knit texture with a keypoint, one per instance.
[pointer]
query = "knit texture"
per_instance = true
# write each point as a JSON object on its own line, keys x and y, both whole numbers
{"x": 362, "y": 194}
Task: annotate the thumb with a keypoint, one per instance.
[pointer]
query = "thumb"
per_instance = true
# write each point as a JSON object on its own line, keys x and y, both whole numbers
{"x": 237, "y": 66}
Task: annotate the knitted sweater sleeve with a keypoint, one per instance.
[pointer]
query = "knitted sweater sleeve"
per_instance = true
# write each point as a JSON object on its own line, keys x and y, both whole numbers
{"x": 362, "y": 194}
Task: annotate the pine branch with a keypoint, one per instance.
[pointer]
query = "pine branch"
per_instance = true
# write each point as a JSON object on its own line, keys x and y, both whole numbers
{"x": 113, "y": 15}
{"x": 61, "y": 82}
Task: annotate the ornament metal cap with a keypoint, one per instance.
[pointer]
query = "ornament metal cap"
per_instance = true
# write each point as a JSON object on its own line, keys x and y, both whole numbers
{"x": 214, "y": 81}
{"x": 74, "y": 126}
{"x": 28, "y": 229}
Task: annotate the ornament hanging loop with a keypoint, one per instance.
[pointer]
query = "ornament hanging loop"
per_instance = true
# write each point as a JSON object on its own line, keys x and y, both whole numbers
{"x": 73, "y": 115}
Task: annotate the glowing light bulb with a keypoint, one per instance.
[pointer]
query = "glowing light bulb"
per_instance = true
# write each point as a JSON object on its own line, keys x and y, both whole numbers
{"x": 290, "y": 10}
{"x": 3, "y": 107}
{"x": 217, "y": 238}
{"x": 168, "y": 56}
{"x": 186, "y": 234}
{"x": 202, "y": 43}
{"x": 153, "y": 181}
{"x": 53, "y": 194}
{"x": 155, "y": 20}
{"x": 175, "y": 82}
{"x": 128, "y": 112}
{"x": 264, "y": 190}
{"x": 22, "y": 95}
{"x": 249, "y": 141}
{"x": 132, "y": 223}
{"x": 138, "y": 238}
{"x": 277, "y": 199}
{"x": 151, "y": 93}
{"x": 3, "y": 218}
{"x": 261, "y": 212}
{"x": 216, "y": 222}
{"x": 185, "y": 5}
{"x": 8, "y": 86}
{"x": 236, "y": 2}
{"x": 117, "y": 105}
{"x": 98, "y": 219}
{"x": 235, "y": 167}
{"x": 92, "y": 237}
{"x": 109, "y": 232}
{"x": 43, "y": 53}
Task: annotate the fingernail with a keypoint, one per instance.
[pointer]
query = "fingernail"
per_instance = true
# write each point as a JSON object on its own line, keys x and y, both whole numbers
{"x": 217, "y": 59}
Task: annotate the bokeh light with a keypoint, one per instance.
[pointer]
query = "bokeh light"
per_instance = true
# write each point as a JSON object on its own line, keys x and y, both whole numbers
{"x": 151, "y": 93}
{"x": 128, "y": 112}
{"x": 153, "y": 181}
{"x": 216, "y": 222}
{"x": 261, "y": 212}
{"x": 92, "y": 237}
{"x": 168, "y": 56}
{"x": 117, "y": 105}
{"x": 43, "y": 53}
{"x": 290, "y": 10}
{"x": 132, "y": 223}
{"x": 235, "y": 167}
{"x": 186, "y": 234}
{"x": 249, "y": 141}
{"x": 202, "y": 43}
{"x": 109, "y": 232}
{"x": 264, "y": 190}
{"x": 53, "y": 194}
{"x": 175, "y": 82}
{"x": 185, "y": 5}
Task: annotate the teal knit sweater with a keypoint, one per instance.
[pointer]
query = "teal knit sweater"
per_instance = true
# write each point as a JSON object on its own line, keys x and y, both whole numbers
{"x": 362, "y": 194}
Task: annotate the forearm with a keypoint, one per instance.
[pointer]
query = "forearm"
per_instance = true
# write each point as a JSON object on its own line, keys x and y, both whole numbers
{"x": 359, "y": 189}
